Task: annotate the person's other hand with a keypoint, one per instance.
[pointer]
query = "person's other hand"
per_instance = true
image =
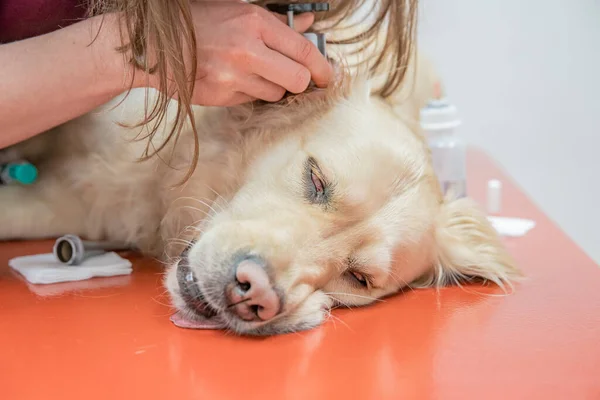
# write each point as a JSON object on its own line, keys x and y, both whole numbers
{"x": 246, "y": 52}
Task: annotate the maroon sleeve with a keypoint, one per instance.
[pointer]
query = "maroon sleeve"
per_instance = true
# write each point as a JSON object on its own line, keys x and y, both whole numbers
{"x": 21, "y": 19}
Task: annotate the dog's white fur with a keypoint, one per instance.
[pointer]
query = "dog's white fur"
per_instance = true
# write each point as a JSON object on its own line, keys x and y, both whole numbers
{"x": 386, "y": 218}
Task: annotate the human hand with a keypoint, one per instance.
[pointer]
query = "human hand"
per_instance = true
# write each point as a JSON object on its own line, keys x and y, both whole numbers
{"x": 246, "y": 52}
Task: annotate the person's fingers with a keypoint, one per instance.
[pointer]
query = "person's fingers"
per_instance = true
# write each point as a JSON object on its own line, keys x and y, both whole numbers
{"x": 279, "y": 37}
{"x": 260, "y": 88}
{"x": 280, "y": 70}
{"x": 301, "y": 21}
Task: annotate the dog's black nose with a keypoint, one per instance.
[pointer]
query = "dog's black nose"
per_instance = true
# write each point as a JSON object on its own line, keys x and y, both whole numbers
{"x": 252, "y": 296}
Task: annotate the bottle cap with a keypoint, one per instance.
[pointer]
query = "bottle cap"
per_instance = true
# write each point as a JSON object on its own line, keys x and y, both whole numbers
{"x": 494, "y": 196}
{"x": 24, "y": 173}
{"x": 439, "y": 114}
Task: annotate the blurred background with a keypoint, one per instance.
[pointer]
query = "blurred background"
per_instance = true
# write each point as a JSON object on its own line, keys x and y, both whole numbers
{"x": 525, "y": 76}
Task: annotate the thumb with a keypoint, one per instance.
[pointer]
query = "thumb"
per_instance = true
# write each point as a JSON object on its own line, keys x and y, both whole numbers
{"x": 301, "y": 22}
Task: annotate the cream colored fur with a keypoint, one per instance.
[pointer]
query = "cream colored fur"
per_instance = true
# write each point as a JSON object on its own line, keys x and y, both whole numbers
{"x": 386, "y": 218}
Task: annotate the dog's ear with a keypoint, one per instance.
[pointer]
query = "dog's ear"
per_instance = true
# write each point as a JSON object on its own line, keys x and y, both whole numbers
{"x": 469, "y": 248}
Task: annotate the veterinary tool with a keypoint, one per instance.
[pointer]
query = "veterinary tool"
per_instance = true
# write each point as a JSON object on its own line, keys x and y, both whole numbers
{"x": 318, "y": 39}
{"x": 71, "y": 250}
{"x": 21, "y": 172}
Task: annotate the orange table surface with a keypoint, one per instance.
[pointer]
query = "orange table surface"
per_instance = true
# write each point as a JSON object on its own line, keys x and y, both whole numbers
{"x": 112, "y": 338}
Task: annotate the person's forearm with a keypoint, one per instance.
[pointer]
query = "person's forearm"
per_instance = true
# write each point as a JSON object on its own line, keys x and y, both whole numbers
{"x": 51, "y": 79}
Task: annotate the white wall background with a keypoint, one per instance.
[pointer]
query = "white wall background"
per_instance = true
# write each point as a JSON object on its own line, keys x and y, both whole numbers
{"x": 525, "y": 76}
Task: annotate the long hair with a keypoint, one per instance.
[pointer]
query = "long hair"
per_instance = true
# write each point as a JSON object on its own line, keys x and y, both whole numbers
{"x": 163, "y": 31}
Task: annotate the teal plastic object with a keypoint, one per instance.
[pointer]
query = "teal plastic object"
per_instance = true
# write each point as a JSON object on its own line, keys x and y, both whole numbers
{"x": 24, "y": 173}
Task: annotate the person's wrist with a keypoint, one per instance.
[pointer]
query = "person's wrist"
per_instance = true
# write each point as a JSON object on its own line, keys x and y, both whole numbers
{"x": 118, "y": 73}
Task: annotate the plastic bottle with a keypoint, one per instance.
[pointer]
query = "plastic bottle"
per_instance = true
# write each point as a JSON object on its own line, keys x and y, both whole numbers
{"x": 439, "y": 120}
{"x": 18, "y": 172}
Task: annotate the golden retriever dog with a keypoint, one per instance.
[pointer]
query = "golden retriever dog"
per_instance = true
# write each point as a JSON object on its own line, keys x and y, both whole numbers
{"x": 326, "y": 198}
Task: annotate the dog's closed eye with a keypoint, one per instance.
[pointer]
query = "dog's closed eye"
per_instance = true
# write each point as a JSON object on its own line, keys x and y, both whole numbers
{"x": 357, "y": 277}
{"x": 318, "y": 183}
{"x": 318, "y": 188}
{"x": 360, "y": 278}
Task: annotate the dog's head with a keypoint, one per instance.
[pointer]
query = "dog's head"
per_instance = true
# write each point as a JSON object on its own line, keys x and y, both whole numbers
{"x": 341, "y": 208}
